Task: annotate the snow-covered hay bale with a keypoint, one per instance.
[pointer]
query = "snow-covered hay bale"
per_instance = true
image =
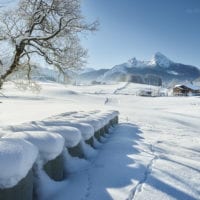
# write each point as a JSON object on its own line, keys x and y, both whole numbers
{"x": 114, "y": 121}
{"x": 115, "y": 118}
{"x": 22, "y": 191}
{"x": 50, "y": 147}
{"x": 115, "y": 115}
{"x": 112, "y": 116}
{"x": 76, "y": 151}
{"x": 55, "y": 168}
{"x": 97, "y": 135}
{"x": 16, "y": 161}
{"x": 90, "y": 141}
{"x": 96, "y": 124}
{"x": 103, "y": 121}
{"x": 22, "y": 127}
{"x": 102, "y": 132}
{"x": 87, "y": 131}
{"x": 72, "y": 138}
{"x": 106, "y": 129}
{"x": 107, "y": 117}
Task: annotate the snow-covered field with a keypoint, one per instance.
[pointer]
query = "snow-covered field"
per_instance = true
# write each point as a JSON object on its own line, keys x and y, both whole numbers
{"x": 154, "y": 153}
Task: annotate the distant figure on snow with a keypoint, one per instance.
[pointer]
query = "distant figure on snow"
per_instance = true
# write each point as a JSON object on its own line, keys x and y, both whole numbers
{"x": 106, "y": 101}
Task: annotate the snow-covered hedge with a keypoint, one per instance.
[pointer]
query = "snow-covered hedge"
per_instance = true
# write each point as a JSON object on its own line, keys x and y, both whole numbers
{"x": 23, "y": 127}
{"x": 86, "y": 130}
{"x": 71, "y": 135}
{"x": 49, "y": 145}
{"x": 17, "y": 157}
{"x": 40, "y": 142}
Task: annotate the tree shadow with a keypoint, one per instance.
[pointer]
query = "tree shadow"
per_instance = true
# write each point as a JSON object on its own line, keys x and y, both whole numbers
{"x": 169, "y": 189}
{"x": 180, "y": 122}
{"x": 179, "y": 179}
{"x": 183, "y": 164}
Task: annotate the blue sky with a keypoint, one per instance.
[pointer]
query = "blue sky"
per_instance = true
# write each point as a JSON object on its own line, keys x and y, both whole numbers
{"x": 139, "y": 28}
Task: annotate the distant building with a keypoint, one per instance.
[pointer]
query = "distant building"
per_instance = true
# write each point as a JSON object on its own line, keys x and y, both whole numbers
{"x": 186, "y": 90}
{"x": 146, "y": 93}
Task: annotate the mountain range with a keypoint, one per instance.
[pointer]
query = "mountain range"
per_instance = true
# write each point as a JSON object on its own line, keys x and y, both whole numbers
{"x": 159, "y": 69}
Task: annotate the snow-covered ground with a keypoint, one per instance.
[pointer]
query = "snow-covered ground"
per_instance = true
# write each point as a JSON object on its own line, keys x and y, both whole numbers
{"x": 154, "y": 153}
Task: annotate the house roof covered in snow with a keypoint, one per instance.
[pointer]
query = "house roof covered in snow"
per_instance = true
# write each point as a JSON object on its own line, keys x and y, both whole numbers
{"x": 189, "y": 86}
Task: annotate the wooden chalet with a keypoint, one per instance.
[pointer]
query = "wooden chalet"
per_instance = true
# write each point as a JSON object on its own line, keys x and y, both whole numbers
{"x": 186, "y": 90}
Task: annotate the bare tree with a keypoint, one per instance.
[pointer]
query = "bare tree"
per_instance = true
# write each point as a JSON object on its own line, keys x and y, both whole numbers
{"x": 43, "y": 28}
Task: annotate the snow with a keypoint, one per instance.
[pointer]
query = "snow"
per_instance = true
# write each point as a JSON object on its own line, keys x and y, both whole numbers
{"x": 113, "y": 113}
{"x": 22, "y": 127}
{"x": 158, "y": 60}
{"x": 89, "y": 152}
{"x": 108, "y": 115}
{"x": 74, "y": 164}
{"x": 80, "y": 115}
{"x": 94, "y": 123}
{"x": 172, "y": 72}
{"x": 104, "y": 91}
{"x": 152, "y": 154}
{"x": 17, "y": 158}
{"x": 137, "y": 63}
{"x": 122, "y": 69}
{"x": 96, "y": 119}
{"x": 102, "y": 119}
{"x": 189, "y": 85}
{"x": 43, "y": 141}
{"x": 86, "y": 130}
{"x": 71, "y": 135}
{"x": 161, "y": 60}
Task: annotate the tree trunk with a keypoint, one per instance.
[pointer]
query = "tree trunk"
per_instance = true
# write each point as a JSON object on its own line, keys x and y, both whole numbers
{"x": 13, "y": 66}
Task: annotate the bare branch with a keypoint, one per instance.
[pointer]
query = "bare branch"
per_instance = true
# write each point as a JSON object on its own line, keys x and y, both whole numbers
{"x": 47, "y": 29}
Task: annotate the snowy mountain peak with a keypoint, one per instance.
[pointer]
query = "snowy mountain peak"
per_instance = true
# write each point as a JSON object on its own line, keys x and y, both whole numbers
{"x": 133, "y": 61}
{"x": 161, "y": 60}
{"x": 141, "y": 71}
{"x": 158, "y": 60}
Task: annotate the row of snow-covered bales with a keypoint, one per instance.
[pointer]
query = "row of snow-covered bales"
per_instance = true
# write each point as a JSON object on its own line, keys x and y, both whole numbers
{"x": 31, "y": 151}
